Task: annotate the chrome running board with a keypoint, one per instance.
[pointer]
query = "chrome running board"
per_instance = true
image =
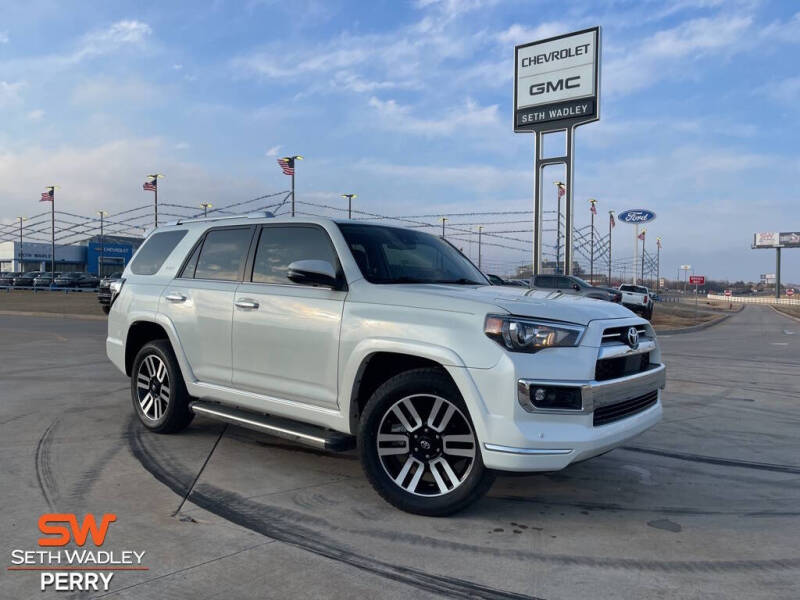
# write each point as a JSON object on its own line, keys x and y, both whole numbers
{"x": 302, "y": 433}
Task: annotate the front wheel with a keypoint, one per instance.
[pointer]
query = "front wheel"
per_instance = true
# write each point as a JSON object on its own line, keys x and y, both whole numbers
{"x": 418, "y": 446}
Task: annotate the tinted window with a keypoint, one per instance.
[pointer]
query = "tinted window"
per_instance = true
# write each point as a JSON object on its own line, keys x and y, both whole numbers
{"x": 191, "y": 265}
{"x": 155, "y": 251}
{"x": 544, "y": 281}
{"x": 564, "y": 283}
{"x": 278, "y": 247}
{"x": 223, "y": 254}
{"x": 395, "y": 255}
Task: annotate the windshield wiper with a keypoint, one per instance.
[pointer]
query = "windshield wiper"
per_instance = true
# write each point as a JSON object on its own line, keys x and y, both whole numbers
{"x": 461, "y": 281}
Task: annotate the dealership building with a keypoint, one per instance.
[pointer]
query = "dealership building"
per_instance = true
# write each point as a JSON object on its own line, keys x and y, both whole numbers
{"x": 94, "y": 255}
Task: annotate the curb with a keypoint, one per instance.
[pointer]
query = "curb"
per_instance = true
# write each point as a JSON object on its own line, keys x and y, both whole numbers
{"x": 783, "y": 314}
{"x": 19, "y": 313}
{"x": 700, "y": 327}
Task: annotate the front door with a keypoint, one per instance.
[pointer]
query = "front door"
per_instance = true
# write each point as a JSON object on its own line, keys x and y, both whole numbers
{"x": 286, "y": 335}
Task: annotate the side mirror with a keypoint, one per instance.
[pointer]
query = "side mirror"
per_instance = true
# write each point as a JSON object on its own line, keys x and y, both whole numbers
{"x": 576, "y": 287}
{"x": 312, "y": 272}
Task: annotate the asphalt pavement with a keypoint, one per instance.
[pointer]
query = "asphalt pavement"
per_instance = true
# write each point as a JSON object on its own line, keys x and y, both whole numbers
{"x": 705, "y": 505}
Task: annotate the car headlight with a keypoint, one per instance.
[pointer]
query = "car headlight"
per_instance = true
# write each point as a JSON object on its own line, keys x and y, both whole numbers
{"x": 519, "y": 334}
{"x": 115, "y": 287}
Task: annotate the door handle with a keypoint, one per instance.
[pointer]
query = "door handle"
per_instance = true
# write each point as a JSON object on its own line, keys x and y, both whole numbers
{"x": 175, "y": 298}
{"x": 248, "y": 304}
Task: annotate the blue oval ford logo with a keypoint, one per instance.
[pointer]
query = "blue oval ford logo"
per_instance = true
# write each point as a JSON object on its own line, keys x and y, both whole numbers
{"x": 636, "y": 215}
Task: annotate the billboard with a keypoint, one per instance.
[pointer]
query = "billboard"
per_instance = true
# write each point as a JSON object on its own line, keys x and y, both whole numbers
{"x": 557, "y": 81}
{"x": 774, "y": 239}
{"x": 697, "y": 279}
{"x": 789, "y": 239}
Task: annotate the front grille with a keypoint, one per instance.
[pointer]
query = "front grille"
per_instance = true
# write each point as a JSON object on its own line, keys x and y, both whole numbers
{"x": 620, "y": 334}
{"x": 620, "y": 366}
{"x": 620, "y": 410}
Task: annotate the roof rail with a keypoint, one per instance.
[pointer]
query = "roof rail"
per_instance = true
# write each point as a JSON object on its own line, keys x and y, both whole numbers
{"x": 253, "y": 215}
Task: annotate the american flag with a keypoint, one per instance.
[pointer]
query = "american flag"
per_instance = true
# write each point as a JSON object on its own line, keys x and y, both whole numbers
{"x": 593, "y": 209}
{"x": 562, "y": 189}
{"x": 150, "y": 186}
{"x": 48, "y": 196}
{"x": 287, "y": 164}
{"x": 641, "y": 235}
{"x": 611, "y": 216}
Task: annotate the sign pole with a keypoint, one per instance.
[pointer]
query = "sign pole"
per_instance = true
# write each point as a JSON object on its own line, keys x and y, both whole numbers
{"x": 536, "y": 267}
{"x": 777, "y": 272}
{"x": 568, "y": 209}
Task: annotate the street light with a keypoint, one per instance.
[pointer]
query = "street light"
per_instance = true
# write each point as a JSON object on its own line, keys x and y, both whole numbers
{"x": 21, "y": 219}
{"x": 206, "y": 206}
{"x": 562, "y": 188}
{"x": 349, "y": 204}
{"x": 102, "y": 215}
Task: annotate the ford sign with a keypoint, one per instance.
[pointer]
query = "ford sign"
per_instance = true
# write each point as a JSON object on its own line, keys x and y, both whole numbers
{"x": 636, "y": 216}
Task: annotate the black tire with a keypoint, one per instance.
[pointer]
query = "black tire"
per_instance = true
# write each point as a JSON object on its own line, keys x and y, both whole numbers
{"x": 424, "y": 386}
{"x": 648, "y": 314}
{"x": 176, "y": 415}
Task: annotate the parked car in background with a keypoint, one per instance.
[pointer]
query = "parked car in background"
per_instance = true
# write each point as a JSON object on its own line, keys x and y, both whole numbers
{"x": 7, "y": 277}
{"x": 638, "y": 299}
{"x": 104, "y": 290}
{"x": 569, "y": 284}
{"x": 520, "y": 282}
{"x": 45, "y": 279}
{"x": 496, "y": 279}
{"x": 26, "y": 279}
{"x": 76, "y": 279}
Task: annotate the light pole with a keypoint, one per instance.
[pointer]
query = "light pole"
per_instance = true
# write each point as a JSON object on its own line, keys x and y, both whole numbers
{"x": 152, "y": 186}
{"x": 206, "y": 206}
{"x": 561, "y": 191}
{"x": 349, "y": 204}
{"x": 21, "y": 219}
{"x": 611, "y": 223}
{"x": 480, "y": 231}
{"x": 100, "y": 273}
{"x": 444, "y": 220}
{"x": 593, "y": 210}
{"x": 658, "y": 264}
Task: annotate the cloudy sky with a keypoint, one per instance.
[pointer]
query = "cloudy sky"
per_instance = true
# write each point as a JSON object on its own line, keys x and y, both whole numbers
{"x": 409, "y": 105}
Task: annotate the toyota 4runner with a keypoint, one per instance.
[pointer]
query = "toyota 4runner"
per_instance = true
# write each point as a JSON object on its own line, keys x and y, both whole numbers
{"x": 342, "y": 334}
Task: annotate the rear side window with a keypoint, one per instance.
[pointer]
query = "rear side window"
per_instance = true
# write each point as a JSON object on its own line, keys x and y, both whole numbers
{"x": 155, "y": 251}
{"x": 223, "y": 254}
{"x": 278, "y": 247}
{"x": 544, "y": 281}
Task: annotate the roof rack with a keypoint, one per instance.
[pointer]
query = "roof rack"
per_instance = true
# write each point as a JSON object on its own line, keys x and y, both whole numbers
{"x": 253, "y": 215}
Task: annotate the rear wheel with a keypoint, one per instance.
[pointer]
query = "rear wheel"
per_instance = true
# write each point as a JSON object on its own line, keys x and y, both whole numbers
{"x": 418, "y": 446}
{"x": 158, "y": 392}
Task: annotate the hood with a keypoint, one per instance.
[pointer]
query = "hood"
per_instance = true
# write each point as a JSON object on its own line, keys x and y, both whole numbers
{"x": 519, "y": 301}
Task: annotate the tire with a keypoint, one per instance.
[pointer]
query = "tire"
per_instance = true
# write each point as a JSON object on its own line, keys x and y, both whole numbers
{"x": 156, "y": 373}
{"x": 648, "y": 314}
{"x": 106, "y": 308}
{"x": 440, "y": 483}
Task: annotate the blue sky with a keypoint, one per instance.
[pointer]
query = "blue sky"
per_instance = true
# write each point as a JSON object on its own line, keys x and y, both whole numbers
{"x": 408, "y": 104}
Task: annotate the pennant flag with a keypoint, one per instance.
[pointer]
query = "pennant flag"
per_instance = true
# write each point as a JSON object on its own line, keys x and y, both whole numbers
{"x": 562, "y": 189}
{"x": 593, "y": 209}
{"x": 641, "y": 235}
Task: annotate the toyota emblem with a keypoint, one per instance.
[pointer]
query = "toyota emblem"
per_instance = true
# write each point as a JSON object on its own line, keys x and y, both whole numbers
{"x": 633, "y": 337}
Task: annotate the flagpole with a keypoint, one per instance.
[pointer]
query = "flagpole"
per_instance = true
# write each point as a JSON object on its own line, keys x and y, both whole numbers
{"x": 19, "y": 266}
{"x": 610, "y": 216}
{"x": 635, "y": 251}
{"x": 591, "y": 259}
{"x": 658, "y": 264}
{"x": 644, "y": 235}
{"x": 53, "y": 236}
{"x": 480, "y": 230}
{"x": 293, "y": 191}
{"x": 155, "y": 204}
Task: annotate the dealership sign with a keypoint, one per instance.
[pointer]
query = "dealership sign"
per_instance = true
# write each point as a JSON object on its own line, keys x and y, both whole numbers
{"x": 774, "y": 239}
{"x": 636, "y": 216}
{"x": 697, "y": 279}
{"x": 557, "y": 81}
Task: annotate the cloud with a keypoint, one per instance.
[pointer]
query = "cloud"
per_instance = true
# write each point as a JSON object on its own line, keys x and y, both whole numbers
{"x": 182, "y": 146}
{"x": 11, "y": 93}
{"x": 36, "y": 114}
{"x": 466, "y": 118}
{"x": 786, "y": 91}
{"x": 518, "y": 34}
{"x": 273, "y": 151}
{"x": 125, "y": 33}
{"x": 100, "y": 92}
{"x": 4, "y": 39}
{"x": 177, "y": 67}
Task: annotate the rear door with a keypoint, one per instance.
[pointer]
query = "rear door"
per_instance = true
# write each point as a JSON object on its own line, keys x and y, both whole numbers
{"x": 286, "y": 335}
{"x": 199, "y": 301}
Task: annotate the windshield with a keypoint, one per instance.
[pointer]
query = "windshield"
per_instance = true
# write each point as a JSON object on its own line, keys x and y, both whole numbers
{"x": 581, "y": 282}
{"x": 633, "y": 288}
{"x": 396, "y": 255}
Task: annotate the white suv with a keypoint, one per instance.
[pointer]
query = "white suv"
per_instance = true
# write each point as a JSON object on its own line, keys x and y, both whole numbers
{"x": 340, "y": 333}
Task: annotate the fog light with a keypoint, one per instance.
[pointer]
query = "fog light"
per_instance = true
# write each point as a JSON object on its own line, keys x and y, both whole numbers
{"x": 550, "y": 398}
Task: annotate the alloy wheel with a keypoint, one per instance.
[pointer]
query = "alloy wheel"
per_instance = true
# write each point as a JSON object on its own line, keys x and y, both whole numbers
{"x": 426, "y": 445}
{"x": 153, "y": 387}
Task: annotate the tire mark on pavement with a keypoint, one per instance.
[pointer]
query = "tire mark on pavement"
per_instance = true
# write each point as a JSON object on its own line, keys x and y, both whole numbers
{"x": 287, "y": 526}
{"x": 713, "y": 460}
{"x": 44, "y": 473}
{"x": 292, "y": 527}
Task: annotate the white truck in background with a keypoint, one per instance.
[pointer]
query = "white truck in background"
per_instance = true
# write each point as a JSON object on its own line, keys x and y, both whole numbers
{"x": 638, "y": 299}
